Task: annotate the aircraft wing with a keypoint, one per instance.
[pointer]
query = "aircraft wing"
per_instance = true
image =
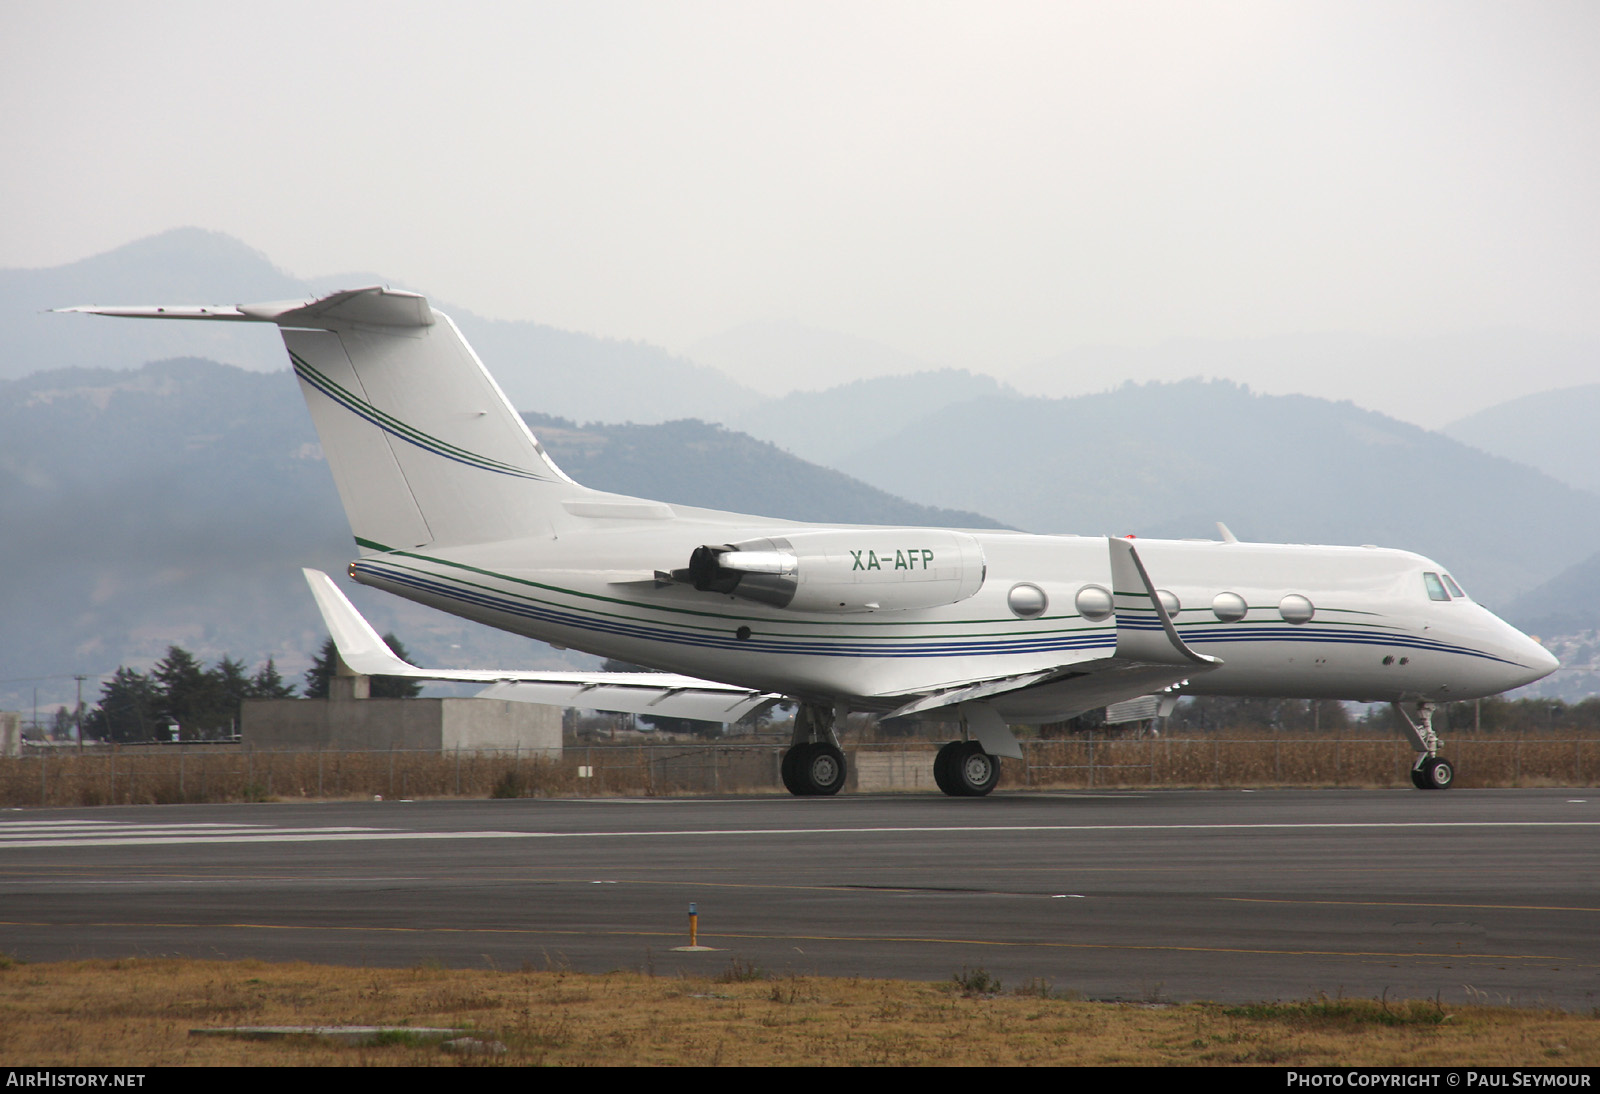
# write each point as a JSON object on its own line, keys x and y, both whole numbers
{"x": 655, "y": 693}
{"x": 1149, "y": 657}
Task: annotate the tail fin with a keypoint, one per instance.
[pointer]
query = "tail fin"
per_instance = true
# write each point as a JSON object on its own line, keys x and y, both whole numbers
{"x": 424, "y": 446}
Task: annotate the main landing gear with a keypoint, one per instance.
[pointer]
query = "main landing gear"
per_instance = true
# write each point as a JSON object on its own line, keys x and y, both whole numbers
{"x": 1431, "y": 771}
{"x": 964, "y": 770}
{"x": 814, "y": 766}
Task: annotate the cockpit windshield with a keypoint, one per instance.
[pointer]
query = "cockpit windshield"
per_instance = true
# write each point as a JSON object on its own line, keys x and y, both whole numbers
{"x": 1455, "y": 590}
{"x": 1436, "y": 590}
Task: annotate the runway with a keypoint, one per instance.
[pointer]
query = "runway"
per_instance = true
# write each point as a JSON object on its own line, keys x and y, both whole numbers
{"x": 1487, "y": 895}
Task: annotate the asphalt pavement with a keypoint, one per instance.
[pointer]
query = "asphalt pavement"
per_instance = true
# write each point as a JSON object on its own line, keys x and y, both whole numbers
{"x": 1487, "y": 895}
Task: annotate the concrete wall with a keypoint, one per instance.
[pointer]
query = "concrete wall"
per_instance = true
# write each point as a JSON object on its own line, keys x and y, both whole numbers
{"x": 899, "y": 770}
{"x": 426, "y": 724}
{"x": 10, "y": 733}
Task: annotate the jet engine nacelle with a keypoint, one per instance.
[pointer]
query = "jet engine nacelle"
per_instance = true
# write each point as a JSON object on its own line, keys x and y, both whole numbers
{"x": 843, "y": 570}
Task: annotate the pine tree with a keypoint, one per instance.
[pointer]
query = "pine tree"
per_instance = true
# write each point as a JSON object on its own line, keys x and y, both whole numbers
{"x": 322, "y": 670}
{"x": 268, "y": 684}
{"x": 202, "y": 703}
{"x": 129, "y": 708}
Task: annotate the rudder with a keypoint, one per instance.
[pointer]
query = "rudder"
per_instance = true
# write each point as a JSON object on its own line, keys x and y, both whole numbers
{"x": 424, "y": 446}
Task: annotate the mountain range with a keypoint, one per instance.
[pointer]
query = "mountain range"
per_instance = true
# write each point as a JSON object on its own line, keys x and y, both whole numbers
{"x": 172, "y": 502}
{"x": 1551, "y": 430}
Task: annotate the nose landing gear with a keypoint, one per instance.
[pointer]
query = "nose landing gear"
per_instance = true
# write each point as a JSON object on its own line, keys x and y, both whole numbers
{"x": 1431, "y": 771}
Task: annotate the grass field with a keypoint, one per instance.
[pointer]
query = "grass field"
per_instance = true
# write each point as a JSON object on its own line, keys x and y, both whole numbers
{"x": 169, "y": 775}
{"x": 136, "y": 1013}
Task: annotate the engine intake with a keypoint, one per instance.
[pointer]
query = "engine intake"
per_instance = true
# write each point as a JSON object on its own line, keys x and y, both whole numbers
{"x": 849, "y": 570}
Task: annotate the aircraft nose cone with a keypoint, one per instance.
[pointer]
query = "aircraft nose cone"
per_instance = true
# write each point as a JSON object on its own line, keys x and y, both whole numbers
{"x": 1544, "y": 662}
{"x": 1536, "y": 662}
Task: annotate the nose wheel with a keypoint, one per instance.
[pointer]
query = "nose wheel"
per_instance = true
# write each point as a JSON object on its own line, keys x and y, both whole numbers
{"x": 1431, "y": 771}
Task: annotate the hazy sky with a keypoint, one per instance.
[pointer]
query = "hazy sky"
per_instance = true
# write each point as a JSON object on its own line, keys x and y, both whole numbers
{"x": 981, "y": 185}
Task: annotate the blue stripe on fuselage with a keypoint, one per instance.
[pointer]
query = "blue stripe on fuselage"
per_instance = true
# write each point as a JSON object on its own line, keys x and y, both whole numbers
{"x": 1101, "y": 639}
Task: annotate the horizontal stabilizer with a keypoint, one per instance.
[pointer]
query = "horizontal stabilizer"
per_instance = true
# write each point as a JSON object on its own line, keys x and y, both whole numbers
{"x": 655, "y": 693}
{"x": 371, "y": 306}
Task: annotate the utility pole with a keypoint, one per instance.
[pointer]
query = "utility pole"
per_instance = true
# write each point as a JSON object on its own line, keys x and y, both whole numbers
{"x": 78, "y": 713}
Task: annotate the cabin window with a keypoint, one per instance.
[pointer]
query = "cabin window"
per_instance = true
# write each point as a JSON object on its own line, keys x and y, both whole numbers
{"x": 1436, "y": 590}
{"x": 1027, "y": 601}
{"x": 1229, "y": 607}
{"x": 1455, "y": 590}
{"x": 1295, "y": 608}
{"x": 1094, "y": 603}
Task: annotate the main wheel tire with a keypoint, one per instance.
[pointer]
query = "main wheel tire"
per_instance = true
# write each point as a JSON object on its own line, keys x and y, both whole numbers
{"x": 975, "y": 771}
{"x": 823, "y": 770}
{"x": 1419, "y": 780}
{"x": 1439, "y": 774}
{"x": 793, "y": 763}
{"x": 943, "y": 766}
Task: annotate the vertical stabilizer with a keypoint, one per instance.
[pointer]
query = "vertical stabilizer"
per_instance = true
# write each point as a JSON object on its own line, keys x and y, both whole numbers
{"x": 424, "y": 446}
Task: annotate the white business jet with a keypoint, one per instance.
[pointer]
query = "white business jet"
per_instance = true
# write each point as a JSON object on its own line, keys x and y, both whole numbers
{"x": 455, "y": 505}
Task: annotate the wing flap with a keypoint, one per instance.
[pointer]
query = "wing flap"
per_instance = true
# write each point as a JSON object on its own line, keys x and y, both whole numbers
{"x": 709, "y": 703}
{"x": 1059, "y": 693}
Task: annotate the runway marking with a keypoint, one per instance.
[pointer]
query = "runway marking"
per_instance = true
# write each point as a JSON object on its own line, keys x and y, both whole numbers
{"x": 921, "y": 940}
{"x": 62, "y": 834}
{"x": 67, "y": 834}
{"x": 1411, "y": 904}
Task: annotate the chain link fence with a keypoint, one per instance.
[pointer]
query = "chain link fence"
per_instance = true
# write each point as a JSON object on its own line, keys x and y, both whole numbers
{"x": 208, "y": 773}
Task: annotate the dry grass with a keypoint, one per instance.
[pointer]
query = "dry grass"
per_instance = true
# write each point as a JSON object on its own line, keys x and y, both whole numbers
{"x": 158, "y": 776}
{"x": 139, "y": 1013}
{"x": 144, "y": 776}
{"x": 1267, "y": 758}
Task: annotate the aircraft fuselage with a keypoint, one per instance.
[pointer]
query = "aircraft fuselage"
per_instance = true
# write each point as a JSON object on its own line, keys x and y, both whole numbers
{"x": 1373, "y": 634}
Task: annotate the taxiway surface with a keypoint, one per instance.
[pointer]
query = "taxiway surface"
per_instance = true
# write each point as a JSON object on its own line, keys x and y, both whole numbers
{"x": 1490, "y": 895}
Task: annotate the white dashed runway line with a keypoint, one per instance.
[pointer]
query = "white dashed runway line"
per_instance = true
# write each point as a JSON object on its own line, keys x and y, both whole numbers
{"x": 63, "y": 835}
{"x": 88, "y": 833}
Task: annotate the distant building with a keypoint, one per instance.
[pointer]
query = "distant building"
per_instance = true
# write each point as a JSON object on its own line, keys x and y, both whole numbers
{"x": 348, "y": 719}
